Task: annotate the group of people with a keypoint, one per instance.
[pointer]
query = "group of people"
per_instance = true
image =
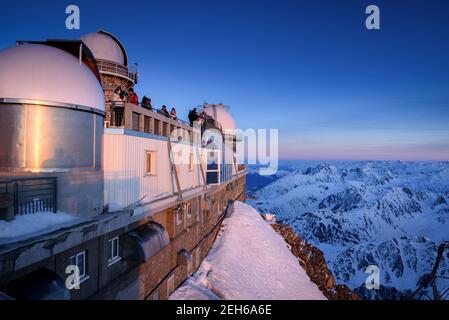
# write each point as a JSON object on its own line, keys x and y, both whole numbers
{"x": 165, "y": 112}
{"x": 120, "y": 97}
{"x": 202, "y": 117}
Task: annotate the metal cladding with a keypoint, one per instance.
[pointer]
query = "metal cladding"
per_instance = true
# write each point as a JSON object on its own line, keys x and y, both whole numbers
{"x": 145, "y": 242}
{"x": 41, "y": 284}
{"x": 106, "y": 46}
{"x": 44, "y": 73}
{"x": 51, "y": 124}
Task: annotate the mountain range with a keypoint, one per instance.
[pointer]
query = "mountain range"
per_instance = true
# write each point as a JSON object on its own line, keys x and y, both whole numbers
{"x": 392, "y": 215}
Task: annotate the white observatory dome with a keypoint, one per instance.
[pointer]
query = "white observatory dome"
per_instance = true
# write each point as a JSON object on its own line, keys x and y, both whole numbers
{"x": 105, "y": 46}
{"x": 40, "y": 72}
{"x": 219, "y": 113}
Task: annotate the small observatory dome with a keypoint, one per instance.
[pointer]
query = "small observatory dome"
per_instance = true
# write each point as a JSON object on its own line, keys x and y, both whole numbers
{"x": 105, "y": 46}
{"x": 40, "y": 72}
{"x": 222, "y": 115}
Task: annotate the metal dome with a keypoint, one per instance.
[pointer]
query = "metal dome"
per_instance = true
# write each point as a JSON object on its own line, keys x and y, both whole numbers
{"x": 106, "y": 46}
{"x": 223, "y": 116}
{"x": 44, "y": 73}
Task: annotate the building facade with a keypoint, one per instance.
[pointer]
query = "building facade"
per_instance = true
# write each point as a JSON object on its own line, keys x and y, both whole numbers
{"x": 144, "y": 196}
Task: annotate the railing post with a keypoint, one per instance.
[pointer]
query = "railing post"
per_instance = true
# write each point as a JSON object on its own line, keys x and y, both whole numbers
{"x": 55, "y": 195}
{"x": 16, "y": 198}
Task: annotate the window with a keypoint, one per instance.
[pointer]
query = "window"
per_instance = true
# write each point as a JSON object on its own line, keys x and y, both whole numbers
{"x": 188, "y": 210}
{"x": 147, "y": 124}
{"x": 157, "y": 127}
{"x": 135, "y": 121}
{"x": 79, "y": 260}
{"x": 165, "y": 129}
{"x": 171, "y": 285}
{"x": 178, "y": 212}
{"x": 189, "y": 267}
{"x": 198, "y": 257}
{"x": 113, "y": 253}
{"x": 150, "y": 163}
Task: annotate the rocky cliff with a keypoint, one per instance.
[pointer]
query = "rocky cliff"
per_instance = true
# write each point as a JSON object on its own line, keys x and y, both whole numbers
{"x": 313, "y": 262}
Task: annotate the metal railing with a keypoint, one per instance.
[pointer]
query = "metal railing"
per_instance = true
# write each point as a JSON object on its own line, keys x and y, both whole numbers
{"x": 117, "y": 69}
{"x": 137, "y": 118}
{"x": 28, "y": 195}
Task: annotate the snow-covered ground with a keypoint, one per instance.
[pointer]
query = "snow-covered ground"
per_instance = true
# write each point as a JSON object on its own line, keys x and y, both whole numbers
{"x": 249, "y": 260}
{"x": 29, "y": 225}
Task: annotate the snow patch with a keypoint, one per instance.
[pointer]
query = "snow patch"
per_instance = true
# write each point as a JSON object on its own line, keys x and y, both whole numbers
{"x": 34, "y": 224}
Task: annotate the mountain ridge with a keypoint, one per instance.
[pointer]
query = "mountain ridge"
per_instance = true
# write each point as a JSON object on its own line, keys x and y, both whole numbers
{"x": 389, "y": 214}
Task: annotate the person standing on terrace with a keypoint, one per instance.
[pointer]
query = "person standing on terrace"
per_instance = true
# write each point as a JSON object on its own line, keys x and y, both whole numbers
{"x": 164, "y": 111}
{"x": 118, "y": 97}
{"x": 173, "y": 114}
{"x": 193, "y": 116}
{"x": 132, "y": 97}
{"x": 146, "y": 103}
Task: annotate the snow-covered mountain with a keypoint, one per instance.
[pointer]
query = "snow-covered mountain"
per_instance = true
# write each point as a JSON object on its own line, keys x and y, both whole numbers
{"x": 390, "y": 214}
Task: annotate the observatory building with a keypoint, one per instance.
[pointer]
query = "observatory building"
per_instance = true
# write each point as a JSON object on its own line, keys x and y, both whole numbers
{"x": 112, "y": 63}
{"x": 51, "y": 126}
{"x": 129, "y": 198}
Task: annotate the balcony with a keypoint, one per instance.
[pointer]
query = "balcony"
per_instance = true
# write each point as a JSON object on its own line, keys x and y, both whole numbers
{"x": 27, "y": 196}
{"x": 132, "y": 117}
{"x": 115, "y": 69}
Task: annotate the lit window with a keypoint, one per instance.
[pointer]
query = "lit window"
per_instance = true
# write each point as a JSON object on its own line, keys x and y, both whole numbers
{"x": 113, "y": 253}
{"x": 150, "y": 163}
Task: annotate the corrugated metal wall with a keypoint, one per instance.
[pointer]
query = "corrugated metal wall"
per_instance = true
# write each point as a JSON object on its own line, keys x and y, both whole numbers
{"x": 124, "y": 164}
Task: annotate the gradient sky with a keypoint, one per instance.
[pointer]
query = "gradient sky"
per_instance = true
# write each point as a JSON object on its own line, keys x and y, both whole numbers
{"x": 309, "y": 68}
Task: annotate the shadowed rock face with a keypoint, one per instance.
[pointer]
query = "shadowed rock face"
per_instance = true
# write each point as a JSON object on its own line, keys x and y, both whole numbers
{"x": 313, "y": 262}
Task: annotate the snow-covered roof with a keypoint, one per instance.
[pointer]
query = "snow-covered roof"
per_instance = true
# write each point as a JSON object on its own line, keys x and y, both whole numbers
{"x": 105, "y": 46}
{"x": 222, "y": 115}
{"x": 45, "y": 73}
{"x": 29, "y": 225}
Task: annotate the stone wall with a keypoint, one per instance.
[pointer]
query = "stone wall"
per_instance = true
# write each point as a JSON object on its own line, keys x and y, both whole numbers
{"x": 126, "y": 279}
{"x": 150, "y": 280}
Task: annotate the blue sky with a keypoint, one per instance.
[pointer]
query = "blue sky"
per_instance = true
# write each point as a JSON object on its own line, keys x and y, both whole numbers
{"x": 308, "y": 68}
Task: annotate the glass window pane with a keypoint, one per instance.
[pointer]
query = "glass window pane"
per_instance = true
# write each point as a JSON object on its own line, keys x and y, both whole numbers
{"x": 80, "y": 263}
{"x": 115, "y": 248}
